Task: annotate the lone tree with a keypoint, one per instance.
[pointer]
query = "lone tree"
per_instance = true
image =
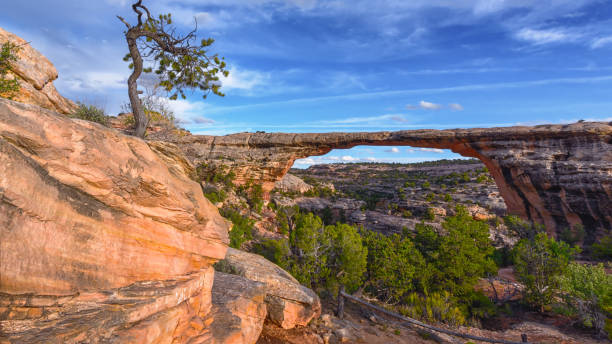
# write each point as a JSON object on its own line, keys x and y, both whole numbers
{"x": 177, "y": 61}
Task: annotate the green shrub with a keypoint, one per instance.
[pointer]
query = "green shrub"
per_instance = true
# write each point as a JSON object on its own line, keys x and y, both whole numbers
{"x": 216, "y": 174}
{"x": 429, "y": 215}
{"x": 90, "y": 113}
{"x": 587, "y": 290}
{"x": 242, "y": 228}
{"x": 539, "y": 262}
{"x": 318, "y": 256}
{"x": 216, "y": 196}
{"x": 572, "y": 236}
{"x": 602, "y": 250}
{"x": 392, "y": 264}
{"x": 502, "y": 256}
{"x": 459, "y": 258}
{"x": 435, "y": 307}
{"x": 447, "y": 198}
{"x": 8, "y": 87}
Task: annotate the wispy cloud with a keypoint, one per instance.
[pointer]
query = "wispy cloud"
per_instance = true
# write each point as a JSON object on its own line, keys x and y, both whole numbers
{"x": 392, "y": 150}
{"x": 539, "y": 37}
{"x": 356, "y": 120}
{"x": 431, "y": 150}
{"x": 429, "y": 106}
{"x": 455, "y": 106}
{"x": 390, "y": 93}
{"x": 601, "y": 42}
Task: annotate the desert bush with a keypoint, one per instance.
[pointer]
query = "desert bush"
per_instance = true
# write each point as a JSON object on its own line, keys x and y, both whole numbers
{"x": 602, "y": 250}
{"x": 435, "y": 307}
{"x": 392, "y": 264}
{"x": 539, "y": 262}
{"x": 216, "y": 196}
{"x": 8, "y": 87}
{"x": 90, "y": 113}
{"x": 587, "y": 290}
{"x": 459, "y": 258}
{"x": 242, "y": 228}
{"x": 572, "y": 236}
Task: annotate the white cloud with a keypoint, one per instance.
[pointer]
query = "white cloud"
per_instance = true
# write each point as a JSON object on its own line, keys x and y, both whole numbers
{"x": 353, "y": 120}
{"x": 96, "y": 81}
{"x": 429, "y": 106}
{"x": 349, "y": 158}
{"x": 455, "y": 106}
{"x": 432, "y": 150}
{"x": 600, "y": 42}
{"x": 539, "y": 37}
{"x": 392, "y": 150}
{"x": 306, "y": 161}
{"x": 244, "y": 80}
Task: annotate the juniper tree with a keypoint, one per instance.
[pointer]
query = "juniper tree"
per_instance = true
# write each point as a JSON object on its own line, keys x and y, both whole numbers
{"x": 177, "y": 61}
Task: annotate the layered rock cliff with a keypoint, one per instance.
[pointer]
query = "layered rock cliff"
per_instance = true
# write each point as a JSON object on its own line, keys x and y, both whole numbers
{"x": 103, "y": 237}
{"x": 558, "y": 175}
{"x": 35, "y": 74}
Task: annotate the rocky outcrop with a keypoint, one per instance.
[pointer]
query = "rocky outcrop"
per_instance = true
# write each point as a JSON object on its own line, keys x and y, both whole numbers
{"x": 104, "y": 237}
{"x": 558, "y": 175}
{"x": 291, "y": 183}
{"x": 35, "y": 74}
{"x": 289, "y": 303}
{"x": 238, "y": 311}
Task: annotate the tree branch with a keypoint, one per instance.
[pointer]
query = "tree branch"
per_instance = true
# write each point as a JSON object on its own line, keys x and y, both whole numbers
{"x": 125, "y": 22}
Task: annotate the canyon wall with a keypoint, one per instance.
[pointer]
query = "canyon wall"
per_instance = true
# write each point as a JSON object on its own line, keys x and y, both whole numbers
{"x": 103, "y": 237}
{"x": 558, "y": 175}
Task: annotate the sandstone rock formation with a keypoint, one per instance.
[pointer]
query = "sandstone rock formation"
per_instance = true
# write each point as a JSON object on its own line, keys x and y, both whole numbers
{"x": 103, "y": 237}
{"x": 289, "y": 303}
{"x": 238, "y": 311}
{"x": 559, "y": 175}
{"x": 35, "y": 74}
{"x": 291, "y": 183}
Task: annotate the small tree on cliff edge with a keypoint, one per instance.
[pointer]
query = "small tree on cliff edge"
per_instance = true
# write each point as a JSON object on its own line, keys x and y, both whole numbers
{"x": 178, "y": 63}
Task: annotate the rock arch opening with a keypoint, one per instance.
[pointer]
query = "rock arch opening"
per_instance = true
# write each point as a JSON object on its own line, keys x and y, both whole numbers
{"x": 558, "y": 175}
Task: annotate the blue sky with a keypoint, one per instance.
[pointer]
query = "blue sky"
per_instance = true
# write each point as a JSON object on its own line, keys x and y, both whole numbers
{"x": 352, "y": 65}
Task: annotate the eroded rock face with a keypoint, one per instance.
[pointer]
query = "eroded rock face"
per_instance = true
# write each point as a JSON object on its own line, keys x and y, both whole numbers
{"x": 103, "y": 236}
{"x": 291, "y": 183}
{"x": 289, "y": 303}
{"x": 559, "y": 175}
{"x": 35, "y": 74}
{"x": 238, "y": 311}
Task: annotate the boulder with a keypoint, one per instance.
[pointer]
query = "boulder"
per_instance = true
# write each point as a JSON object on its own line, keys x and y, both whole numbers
{"x": 289, "y": 303}
{"x": 35, "y": 74}
{"x": 238, "y": 311}
{"x": 291, "y": 183}
{"x": 102, "y": 235}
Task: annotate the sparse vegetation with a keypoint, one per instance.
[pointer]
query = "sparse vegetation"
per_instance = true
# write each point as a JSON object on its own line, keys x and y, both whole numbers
{"x": 90, "y": 113}
{"x": 242, "y": 228}
{"x": 8, "y": 86}
{"x": 539, "y": 263}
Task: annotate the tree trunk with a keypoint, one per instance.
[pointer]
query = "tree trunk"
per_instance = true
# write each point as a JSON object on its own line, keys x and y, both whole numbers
{"x": 140, "y": 117}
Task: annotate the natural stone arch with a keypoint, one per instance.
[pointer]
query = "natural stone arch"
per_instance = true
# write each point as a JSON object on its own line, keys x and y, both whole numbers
{"x": 558, "y": 175}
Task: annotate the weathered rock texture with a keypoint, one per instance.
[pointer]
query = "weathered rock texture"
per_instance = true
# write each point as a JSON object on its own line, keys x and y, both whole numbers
{"x": 103, "y": 237}
{"x": 289, "y": 303}
{"x": 558, "y": 175}
{"x": 35, "y": 74}
{"x": 291, "y": 183}
{"x": 238, "y": 311}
